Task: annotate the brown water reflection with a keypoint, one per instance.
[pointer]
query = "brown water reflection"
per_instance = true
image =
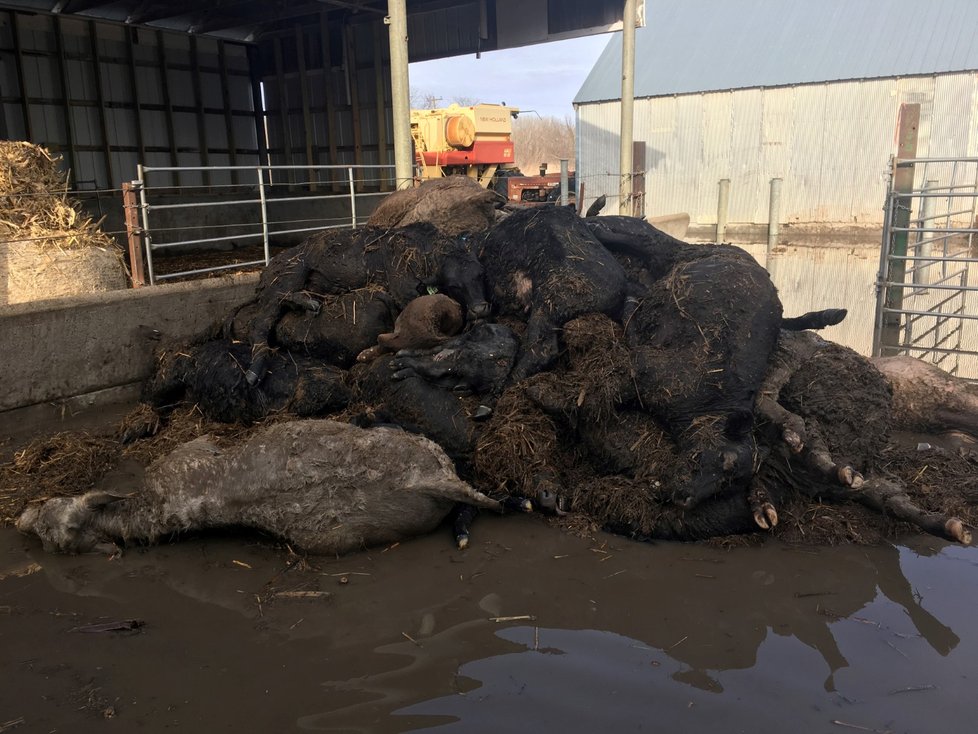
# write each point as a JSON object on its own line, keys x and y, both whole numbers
{"x": 625, "y": 637}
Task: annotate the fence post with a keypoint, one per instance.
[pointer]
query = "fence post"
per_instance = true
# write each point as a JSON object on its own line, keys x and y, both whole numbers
{"x": 134, "y": 234}
{"x": 144, "y": 210}
{"x": 723, "y": 205}
{"x": 774, "y": 217}
{"x": 264, "y": 212}
{"x": 353, "y": 198}
{"x": 921, "y": 270}
{"x": 564, "y": 182}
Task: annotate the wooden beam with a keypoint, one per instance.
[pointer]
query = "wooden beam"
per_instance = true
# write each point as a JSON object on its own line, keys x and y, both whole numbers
{"x": 199, "y": 105}
{"x": 300, "y": 51}
{"x": 257, "y": 105}
{"x": 59, "y": 44}
{"x": 134, "y": 95}
{"x": 168, "y": 106}
{"x": 25, "y": 109}
{"x": 228, "y": 117}
{"x": 351, "y": 71}
{"x": 134, "y": 234}
{"x": 381, "y": 104}
{"x": 78, "y": 6}
{"x": 325, "y": 50}
{"x": 100, "y": 98}
{"x": 256, "y": 13}
{"x": 283, "y": 108}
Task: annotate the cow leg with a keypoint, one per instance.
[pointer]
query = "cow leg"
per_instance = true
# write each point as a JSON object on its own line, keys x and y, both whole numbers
{"x": 792, "y": 426}
{"x": 463, "y": 515}
{"x": 890, "y": 498}
{"x": 540, "y": 346}
{"x": 286, "y": 287}
{"x": 816, "y": 455}
{"x": 763, "y": 510}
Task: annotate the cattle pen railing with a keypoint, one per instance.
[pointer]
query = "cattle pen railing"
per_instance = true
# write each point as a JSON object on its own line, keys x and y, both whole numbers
{"x": 260, "y": 207}
{"x": 927, "y": 297}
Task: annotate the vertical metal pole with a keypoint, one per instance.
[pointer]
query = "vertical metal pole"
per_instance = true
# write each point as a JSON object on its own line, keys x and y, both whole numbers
{"x": 564, "y": 182}
{"x": 921, "y": 270}
{"x": 400, "y": 93}
{"x": 723, "y": 204}
{"x": 147, "y": 237}
{"x": 627, "y": 106}
{"x": 774, "y": 216}
{"x": 264, "y": 213}
{"x": 353, "y": 198}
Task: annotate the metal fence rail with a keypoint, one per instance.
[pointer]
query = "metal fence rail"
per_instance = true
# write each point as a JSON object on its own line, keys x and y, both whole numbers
{"x": 927, "y": 299}
{"x": 172, "y": 217}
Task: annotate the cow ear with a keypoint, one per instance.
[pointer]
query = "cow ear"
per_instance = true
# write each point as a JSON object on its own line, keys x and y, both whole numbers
{"x": 97, "y": 500}
{"x": 739, "y": 424}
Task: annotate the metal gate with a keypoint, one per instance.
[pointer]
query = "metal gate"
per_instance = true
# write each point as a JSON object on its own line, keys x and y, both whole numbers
{"x": 926, "y": 296}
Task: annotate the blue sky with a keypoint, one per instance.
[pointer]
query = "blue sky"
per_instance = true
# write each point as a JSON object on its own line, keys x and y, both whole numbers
{"x": 544, "y": 77}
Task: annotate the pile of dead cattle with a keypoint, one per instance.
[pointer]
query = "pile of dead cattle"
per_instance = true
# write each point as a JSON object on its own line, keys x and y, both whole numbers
{"x": 595, "y": 367}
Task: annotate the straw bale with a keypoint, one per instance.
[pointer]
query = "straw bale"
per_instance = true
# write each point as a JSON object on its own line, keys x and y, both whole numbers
{"x": 48, "y": 249}
{"x": 32, "y": 271}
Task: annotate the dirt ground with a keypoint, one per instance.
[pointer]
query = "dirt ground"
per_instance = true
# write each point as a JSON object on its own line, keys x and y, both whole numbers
{"x": 531, "y": 629}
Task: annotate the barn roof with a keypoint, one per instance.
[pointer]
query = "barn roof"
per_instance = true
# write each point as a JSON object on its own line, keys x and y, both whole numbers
{"x": 711, "y": 45}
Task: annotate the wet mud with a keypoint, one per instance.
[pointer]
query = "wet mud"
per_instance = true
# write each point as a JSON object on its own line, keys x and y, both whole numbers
{"x": 531, "y": 629}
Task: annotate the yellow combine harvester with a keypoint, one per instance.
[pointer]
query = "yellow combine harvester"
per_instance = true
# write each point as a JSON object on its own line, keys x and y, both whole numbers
{"x": 474, "y": 141}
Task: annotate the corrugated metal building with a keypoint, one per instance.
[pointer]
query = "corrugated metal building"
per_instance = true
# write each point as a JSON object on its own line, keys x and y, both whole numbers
{"x": 760, "y": 89}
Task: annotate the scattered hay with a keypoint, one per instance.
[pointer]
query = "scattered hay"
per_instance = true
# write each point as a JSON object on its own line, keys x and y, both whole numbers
{"x": 518, "y": 446}
{"x": 54, "y": 466}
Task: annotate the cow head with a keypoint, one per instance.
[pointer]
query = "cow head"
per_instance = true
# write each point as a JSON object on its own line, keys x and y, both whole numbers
{"x": 717, "y": 460}
{"x": 68, "y": 524}
{"x": 461, "y": 277}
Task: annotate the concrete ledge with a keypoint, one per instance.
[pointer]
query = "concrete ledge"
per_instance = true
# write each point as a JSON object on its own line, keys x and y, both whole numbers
{"x": 59, "y": 349}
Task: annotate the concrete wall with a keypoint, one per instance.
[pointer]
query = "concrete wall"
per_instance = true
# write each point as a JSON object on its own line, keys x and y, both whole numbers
{"x": 59, "y": 349}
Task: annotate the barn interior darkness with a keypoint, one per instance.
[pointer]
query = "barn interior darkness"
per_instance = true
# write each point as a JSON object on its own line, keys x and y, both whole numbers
{"x": 109, "y": 85}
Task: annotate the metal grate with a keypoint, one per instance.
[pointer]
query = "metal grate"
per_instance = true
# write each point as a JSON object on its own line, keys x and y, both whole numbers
{"x": 927, "y": 299}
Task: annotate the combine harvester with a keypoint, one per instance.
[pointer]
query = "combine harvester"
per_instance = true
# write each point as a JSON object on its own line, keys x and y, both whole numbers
{"x": 477, "y": 142}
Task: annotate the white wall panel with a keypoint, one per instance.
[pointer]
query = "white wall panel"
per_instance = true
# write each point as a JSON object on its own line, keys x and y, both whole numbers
{"x": 830, "y": 143}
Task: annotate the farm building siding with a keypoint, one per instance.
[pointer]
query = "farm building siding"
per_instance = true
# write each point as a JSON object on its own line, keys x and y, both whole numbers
{"x": 829, "y": 142}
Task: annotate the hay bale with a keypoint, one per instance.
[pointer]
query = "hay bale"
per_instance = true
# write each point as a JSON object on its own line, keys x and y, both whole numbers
{"x": 48, "y": 249}
{"x": 34, "y": 271}
{"x": 454, "y": 204}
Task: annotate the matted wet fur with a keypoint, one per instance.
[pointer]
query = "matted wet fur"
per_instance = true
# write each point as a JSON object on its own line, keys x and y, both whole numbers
{"x": 453, "y": 204}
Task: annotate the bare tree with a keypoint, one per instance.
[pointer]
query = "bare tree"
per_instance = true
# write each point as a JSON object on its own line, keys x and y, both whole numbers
{"x": 538, "y": 140}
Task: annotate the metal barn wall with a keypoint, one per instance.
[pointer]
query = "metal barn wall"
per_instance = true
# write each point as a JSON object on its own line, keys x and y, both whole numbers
{"x": 830, "y": 143}
{"x": 321, "y": 93}
{"x": 107, "y": 97}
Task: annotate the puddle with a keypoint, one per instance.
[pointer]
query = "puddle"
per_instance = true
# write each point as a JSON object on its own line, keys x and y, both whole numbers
{"x": 594, "y": 634}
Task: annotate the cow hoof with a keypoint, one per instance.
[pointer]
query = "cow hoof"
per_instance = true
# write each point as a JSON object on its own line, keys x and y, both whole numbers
{"x": 766, "y": 516}
{"x": 462, "y": 541}
{"x": 481, "y": 413}
{"x": 793, "y": 440}
{"x": 956, "y": 529}
{"x": 251, "y": 378}
{"x": 850, "y": 477}
{"x": 512, "y": 503}
{"x": 403, "y": 374}
{"x": 550, "y": 503}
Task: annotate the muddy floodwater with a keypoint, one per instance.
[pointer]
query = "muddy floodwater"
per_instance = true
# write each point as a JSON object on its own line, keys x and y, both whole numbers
{"x": 531, "y": 629}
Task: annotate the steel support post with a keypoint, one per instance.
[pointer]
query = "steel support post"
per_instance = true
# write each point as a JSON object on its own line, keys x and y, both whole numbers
{"x": 400, "y": 94}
